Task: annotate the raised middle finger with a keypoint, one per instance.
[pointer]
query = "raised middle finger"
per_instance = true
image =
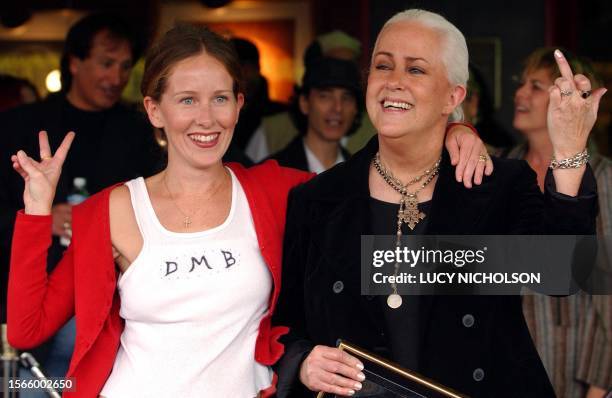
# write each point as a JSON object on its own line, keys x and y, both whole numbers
{"x": 564, "y": 67}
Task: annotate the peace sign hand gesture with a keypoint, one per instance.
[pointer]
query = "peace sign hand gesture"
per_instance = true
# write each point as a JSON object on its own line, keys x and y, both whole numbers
{"x": 572, "y": 110}
{"x": 41, "y": 177}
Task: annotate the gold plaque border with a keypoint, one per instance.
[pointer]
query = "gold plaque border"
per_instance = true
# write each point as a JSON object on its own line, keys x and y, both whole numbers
{"x": 360, "y": 352}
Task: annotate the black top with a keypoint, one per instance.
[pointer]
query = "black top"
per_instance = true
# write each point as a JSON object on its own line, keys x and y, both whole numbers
{"x": 294, "y": 155}
{"x": 89, "y": 128}
{"x": 401, "y": 324}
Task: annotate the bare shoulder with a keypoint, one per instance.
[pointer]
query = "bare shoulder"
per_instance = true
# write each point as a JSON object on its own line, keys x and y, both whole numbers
{"x": 119, "y": 197}
{"x": 125, "y": 235}
{"x": 120, "y": 202}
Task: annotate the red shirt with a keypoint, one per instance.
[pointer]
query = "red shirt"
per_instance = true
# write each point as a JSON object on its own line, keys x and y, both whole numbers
{"x": 84, "y": 282}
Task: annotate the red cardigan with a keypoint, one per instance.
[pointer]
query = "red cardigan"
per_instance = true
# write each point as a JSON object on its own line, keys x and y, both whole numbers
{"x": 84, "y": 282}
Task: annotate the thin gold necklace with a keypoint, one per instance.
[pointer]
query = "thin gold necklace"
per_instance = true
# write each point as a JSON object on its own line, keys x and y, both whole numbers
{"x": 186, "y": 217}
{"x": 408, "y": 212}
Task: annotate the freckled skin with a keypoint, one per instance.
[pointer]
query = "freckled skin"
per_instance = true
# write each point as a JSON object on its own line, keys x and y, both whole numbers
{"x": 198, "y": 101}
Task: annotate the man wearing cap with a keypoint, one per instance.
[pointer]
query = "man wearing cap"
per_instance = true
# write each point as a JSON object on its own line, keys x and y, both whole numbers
{"x": 325, "y": 110}
{"x": 276, "y": 131}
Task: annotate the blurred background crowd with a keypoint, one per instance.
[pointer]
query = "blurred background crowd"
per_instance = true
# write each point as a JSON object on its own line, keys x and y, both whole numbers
{"x": 304, "y": 64}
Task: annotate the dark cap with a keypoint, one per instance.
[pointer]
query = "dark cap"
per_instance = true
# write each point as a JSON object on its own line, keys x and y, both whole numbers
{"x": 328, "y": 72}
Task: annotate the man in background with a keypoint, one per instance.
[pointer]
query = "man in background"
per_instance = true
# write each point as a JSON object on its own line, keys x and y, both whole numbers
{"x": 326, "y": 108}
{"x": 277, "y": 131}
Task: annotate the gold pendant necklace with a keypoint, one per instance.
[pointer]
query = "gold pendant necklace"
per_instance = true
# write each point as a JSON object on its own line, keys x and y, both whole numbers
{"x": 186, "y": 218}
{"x": 408, "y": 212}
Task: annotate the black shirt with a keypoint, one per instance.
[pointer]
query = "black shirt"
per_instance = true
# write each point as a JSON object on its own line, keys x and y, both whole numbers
{"x": 401, "y": 324}
{"x": 89, "y": 128}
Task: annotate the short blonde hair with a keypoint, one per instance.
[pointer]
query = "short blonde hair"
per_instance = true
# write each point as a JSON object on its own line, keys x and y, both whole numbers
{"x": 455, "y": 55}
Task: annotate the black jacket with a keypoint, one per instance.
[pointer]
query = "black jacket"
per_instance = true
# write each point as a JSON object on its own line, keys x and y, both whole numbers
{"x": 294, "y": 155}
{"x": 494, "y": 357}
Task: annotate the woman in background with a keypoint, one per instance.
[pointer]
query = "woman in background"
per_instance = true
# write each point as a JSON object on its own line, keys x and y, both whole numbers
{"x": 573, "y": 334}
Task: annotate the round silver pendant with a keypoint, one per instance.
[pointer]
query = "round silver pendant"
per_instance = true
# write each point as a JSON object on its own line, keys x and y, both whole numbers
{"x": 394, "y": 301}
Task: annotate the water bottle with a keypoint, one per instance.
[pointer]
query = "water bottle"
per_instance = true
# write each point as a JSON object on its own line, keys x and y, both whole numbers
{"x": 77, "y": 195}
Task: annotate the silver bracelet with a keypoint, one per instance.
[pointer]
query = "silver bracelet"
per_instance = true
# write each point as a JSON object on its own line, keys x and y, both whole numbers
{"x": 575, "y": 162}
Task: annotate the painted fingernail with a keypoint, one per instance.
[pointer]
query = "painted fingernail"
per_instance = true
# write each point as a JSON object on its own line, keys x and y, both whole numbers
{"x": 358, "y": 386}
{"x": 558, "y": 54}
{"x": 351, "y": 393}
{"x": 359, "y": 366}
{"x": 361, "y": 376}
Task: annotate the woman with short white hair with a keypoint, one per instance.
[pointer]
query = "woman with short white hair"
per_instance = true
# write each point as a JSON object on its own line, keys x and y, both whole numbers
{"x": 402, "y": 183}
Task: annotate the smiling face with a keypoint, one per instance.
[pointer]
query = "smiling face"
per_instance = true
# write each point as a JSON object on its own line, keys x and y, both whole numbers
{"x": 408, "y": 88}
{"x": 330, "y": 112}
{"x": 99, "y": 79}
{"x": 531, "y": 101}
{"x": 197, "y": 110}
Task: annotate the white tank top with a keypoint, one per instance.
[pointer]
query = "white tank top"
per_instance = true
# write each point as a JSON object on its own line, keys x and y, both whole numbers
{"x": 192, "y": 303}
